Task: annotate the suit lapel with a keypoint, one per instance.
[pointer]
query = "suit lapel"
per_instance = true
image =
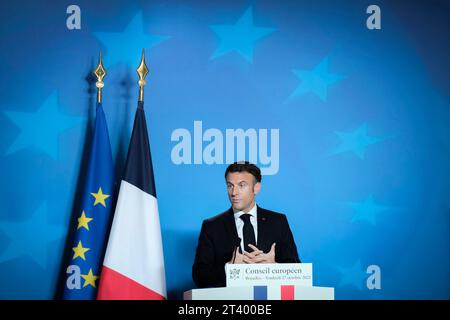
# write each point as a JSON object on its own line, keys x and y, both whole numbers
{"x": 230, "y": 225}
{"x": 263, "y": 230}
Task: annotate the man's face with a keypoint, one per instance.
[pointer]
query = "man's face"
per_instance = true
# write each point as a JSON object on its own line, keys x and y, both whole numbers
{"x": 242, "y": 190}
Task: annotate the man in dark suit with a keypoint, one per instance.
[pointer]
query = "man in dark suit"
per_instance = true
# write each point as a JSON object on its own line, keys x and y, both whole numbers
{"x": 245, "y": 233}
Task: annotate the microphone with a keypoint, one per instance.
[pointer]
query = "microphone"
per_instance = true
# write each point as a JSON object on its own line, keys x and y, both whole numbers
{"x": 238, "y": 242}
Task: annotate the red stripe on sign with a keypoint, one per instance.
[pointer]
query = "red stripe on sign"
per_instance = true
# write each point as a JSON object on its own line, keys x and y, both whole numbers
{"x": 287, "y": 292}
{"x": 116, "y": 286}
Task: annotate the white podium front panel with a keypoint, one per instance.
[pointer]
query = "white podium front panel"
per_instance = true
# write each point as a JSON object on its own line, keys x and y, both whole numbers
{"x": 261, "y": 293}
{"x": 269, "y": 274}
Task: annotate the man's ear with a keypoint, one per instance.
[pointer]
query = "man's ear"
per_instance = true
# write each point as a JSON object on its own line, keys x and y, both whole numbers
{"x": 257, "y": 188}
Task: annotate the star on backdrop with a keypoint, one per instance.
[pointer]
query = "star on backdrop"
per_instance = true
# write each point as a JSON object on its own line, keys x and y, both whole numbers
{"x": 355, "y": 141}
{"x": 367, "y": 210}
{"x": 240, "y": 37}
{"x": 42, "y": 128}
{"x": 316, "y": 81}
{"x": 353, "y": 275}
{"x": 31, "y": 237}
{"x": 126, "y": 46}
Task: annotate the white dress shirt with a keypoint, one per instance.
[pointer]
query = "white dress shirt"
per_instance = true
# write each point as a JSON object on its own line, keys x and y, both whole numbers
{"x": 240, "y": 224}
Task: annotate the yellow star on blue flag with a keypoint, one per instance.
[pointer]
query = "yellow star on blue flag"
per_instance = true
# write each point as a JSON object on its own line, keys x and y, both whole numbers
{"x": 100, "y": 197}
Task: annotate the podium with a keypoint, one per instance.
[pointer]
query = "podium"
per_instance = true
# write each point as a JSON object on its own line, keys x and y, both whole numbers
{"x": 251, "y": 293}
{"x": 291, "y": 281}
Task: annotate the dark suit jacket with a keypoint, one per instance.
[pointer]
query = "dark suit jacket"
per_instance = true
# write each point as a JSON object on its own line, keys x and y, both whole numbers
{"x": 218, "y": 239}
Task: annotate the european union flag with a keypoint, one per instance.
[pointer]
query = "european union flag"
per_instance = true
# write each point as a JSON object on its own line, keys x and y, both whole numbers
{"x": 93, "y": 222}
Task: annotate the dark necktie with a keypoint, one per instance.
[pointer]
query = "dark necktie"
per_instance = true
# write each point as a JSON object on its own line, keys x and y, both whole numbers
{"x": 249, "y": 232}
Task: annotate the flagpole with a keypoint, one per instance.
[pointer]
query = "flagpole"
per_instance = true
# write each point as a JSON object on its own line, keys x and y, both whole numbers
{"x": 100, "y": 73}
{"x": 142, "y": 71}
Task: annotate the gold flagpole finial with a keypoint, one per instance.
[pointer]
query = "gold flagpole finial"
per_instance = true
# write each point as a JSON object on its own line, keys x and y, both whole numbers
{"x": 100, "y": 73}
{"x": 142, "y": 71}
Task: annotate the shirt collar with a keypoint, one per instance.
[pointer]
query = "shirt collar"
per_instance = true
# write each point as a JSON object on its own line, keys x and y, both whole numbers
{"x": 252, "y": 212}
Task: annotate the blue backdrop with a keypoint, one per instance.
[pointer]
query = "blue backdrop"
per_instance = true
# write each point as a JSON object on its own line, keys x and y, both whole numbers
{"x": 350, "y": 125}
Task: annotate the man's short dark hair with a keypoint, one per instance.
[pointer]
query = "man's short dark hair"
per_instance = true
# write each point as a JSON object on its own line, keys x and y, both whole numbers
{"x": 244, "y": 166}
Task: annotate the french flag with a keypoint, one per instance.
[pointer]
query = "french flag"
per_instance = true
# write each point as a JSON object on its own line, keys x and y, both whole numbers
{"x": 133, "y": 268}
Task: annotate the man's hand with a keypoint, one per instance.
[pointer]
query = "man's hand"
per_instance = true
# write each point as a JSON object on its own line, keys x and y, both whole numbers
{"x": 237, "y": 257}
{"x": 249, "y": 257}
{"x": 258, "y": 256}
